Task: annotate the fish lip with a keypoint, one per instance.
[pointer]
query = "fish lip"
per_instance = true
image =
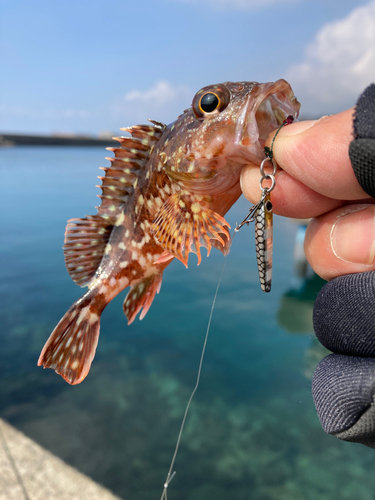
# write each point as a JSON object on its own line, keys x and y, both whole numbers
{"x": 268, "y": 105}
{"x": 282, "y": 108}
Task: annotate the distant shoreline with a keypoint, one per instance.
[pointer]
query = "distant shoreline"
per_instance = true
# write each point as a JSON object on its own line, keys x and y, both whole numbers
{"x": 10, "y": 140}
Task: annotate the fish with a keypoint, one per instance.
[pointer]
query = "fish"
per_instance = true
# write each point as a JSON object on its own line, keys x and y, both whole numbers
{"x": 164, "y": 196}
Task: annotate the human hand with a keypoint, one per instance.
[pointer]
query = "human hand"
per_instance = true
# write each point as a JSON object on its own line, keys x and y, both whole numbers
{"x": 317, "y": 180}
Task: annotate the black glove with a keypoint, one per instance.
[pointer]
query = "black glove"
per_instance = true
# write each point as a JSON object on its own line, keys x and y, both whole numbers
{"x": 343, "y": 384}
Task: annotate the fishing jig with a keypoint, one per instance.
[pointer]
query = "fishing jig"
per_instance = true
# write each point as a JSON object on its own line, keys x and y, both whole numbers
{"x": 262, "y": 214}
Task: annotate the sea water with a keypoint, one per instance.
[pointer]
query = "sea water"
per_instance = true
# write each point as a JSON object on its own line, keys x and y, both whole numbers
{"x": 252, "y": 430}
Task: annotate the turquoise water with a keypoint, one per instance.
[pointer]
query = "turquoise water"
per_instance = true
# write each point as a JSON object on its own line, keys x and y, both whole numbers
{"x": 252, "y": 431}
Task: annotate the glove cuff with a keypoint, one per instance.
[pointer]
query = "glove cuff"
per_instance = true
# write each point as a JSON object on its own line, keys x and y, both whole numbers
{"x": 362, "y": 148}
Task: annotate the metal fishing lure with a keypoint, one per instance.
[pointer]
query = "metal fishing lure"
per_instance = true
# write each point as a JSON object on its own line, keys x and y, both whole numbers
{"x": 261, "y": 213}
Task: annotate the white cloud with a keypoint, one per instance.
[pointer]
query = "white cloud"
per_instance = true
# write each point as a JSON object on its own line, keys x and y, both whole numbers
{"x": 338, "y": 64}
{"x": 239, "y": 4}
{"x": 160, "y": 94}
{"x": 162, "y": 102}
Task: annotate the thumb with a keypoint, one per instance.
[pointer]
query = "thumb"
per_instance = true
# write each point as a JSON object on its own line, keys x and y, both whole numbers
{"x": 316, "y": 153}
{"x": 342, "y": 241}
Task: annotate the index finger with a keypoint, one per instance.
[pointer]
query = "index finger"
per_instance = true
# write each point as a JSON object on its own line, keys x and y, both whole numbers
{"x": 317, "y": 154}
{"x": 316, "y": 174}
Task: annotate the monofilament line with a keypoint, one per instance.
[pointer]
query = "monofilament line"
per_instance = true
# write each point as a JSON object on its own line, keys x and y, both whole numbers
{"x": 171, "y": 474}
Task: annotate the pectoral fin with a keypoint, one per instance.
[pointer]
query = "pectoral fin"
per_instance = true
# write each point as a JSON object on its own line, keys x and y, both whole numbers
{"x": 184, "y": 224}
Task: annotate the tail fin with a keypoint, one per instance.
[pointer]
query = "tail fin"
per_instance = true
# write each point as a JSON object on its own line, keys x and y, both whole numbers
{"x": 71, "y": 346}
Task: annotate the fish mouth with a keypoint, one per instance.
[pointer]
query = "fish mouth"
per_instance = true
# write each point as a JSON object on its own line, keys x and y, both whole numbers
{"x": 276, "y": 101}
{"x": 268, "y": 106}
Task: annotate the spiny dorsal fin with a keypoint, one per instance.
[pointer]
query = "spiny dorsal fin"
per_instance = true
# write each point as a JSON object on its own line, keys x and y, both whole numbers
{"x": 86, "y": 238}
{"x": 159, "y": 125}
{"x": 122, "y": 176}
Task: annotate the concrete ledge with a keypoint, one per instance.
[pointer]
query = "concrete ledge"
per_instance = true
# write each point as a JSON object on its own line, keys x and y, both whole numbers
{"x": 29, "y": 472}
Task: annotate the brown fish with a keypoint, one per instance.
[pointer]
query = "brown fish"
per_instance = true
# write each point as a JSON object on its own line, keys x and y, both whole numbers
{"x": 163, "y": 196}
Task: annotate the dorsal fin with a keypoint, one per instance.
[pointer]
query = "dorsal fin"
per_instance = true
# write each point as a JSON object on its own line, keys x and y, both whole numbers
{"x": 128, "y": 161}
{"x": 86, "y": 238}
{"x": 85, "y": 241}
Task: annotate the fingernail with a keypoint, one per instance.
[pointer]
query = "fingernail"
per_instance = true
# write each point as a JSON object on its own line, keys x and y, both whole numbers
{"x": 353, "y": 236}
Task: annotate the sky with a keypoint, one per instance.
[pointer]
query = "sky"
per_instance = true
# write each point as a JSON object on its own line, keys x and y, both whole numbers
{"x": 92, "y": 66}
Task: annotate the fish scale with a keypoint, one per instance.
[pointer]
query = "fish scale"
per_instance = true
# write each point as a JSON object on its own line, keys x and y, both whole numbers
{"x": 164, "y": 196}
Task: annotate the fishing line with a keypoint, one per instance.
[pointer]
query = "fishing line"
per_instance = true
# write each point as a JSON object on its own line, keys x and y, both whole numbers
{"x": 171, "y": 474}
{"x": 251, "y": 217}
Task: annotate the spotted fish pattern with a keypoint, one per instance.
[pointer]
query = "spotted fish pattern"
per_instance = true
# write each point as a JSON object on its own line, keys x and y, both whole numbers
{"x": 264, "y": 243}
{"x": 164, "y": 195}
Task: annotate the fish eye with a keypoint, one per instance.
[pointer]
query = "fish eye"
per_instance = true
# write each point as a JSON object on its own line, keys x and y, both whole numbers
{"x": 268, "y": 206}
{"x": 210, "y": 101}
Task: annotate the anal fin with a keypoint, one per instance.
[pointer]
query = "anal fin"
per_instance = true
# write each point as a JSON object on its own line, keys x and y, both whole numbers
{"x": 141, "y": 296}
